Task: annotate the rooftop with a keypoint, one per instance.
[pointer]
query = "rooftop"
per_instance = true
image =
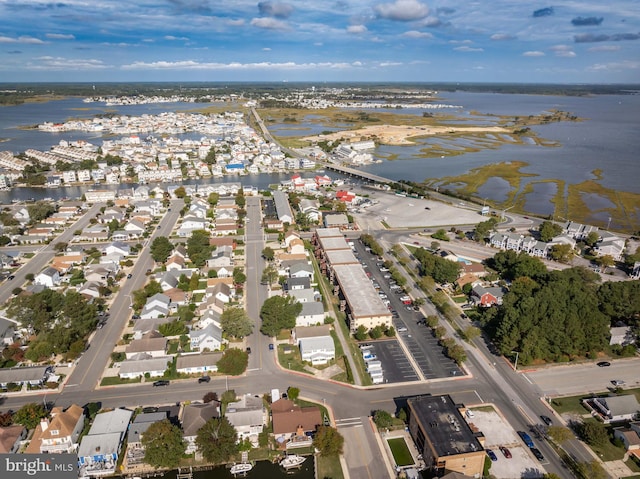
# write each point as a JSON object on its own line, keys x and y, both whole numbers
{"x": 442, "y": 422}
{"x": 363, "y": 299}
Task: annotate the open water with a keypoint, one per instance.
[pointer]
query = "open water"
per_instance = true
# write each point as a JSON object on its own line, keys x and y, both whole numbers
{"x": 607, "y": 140}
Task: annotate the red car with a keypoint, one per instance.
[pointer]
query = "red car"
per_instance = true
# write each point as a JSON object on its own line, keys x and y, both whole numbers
{"x": 505, "y": 452}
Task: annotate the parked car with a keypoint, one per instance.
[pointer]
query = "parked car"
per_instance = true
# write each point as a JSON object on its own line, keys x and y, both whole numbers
{"x": 248, "y": 350}
{"x": 536, "y": 452}
{"x": 526, "y": 439}
{"x": 604, "y": 364}
{"x": 271, "y": 346}
{"x": 505, "y": 452}
{"x": 162, "y": 382}
{"x": 204, "y": 379}
{"x": 10, "y": 277}
{"x": 547, "y": 420}
{"x": 617, "y": 382}
{"x": 492, "y": 455}
{"x": 129, "y": 276}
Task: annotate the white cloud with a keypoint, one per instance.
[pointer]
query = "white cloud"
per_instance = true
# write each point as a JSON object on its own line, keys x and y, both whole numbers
{"x": 356, "y": 29}
{"x": 193, "y": 65}
{"x": 22, "y": 39}
{"x": 402, "y": 10}
{"x": 500, "y": 37}
{"x": 235, "y": 23}
{"x": 564, "y": 51}
{"x": 466, "y": 48}
{"x": 533, "y": 54}
{"x": 60, "y": 63}
{"x": 275, "y": 9}
{"x": 268, "y": 23}
{"x": 172, "y": 38}
{"x": 266, "y": 49}
{"x": 390, "y": 64}
{"x": 605, "y": 48}
{"x": 417, "y": 34}
{"x": 616, "y": 66}
{"x": 60, "y": 36}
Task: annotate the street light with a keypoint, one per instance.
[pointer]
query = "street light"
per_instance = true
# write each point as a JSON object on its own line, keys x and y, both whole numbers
{"x": 515, "y": 365}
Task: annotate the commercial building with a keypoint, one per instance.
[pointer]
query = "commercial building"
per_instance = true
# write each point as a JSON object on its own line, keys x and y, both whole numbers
{"x": 443, "y": 437}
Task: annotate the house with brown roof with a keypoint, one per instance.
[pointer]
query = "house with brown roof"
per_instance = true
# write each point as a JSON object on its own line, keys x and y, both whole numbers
{"x": 11, "y": 437}
{"x": 293, "y": 425}
{"x": 58, "y": 434}
{"x": 152, "y": 343}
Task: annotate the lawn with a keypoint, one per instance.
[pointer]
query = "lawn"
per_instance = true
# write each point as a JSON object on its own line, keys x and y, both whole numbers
{"x": 400, "y": 450}
{"x": 329, "y": 466}
{"x": 115, "y": 380}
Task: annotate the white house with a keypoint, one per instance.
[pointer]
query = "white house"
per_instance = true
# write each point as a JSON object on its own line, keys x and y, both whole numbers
{"x": 317, "y": 350}
{"x": 198, "y": 363}
{"x": 49, "y": 277}
{"x": 143, "y": 363}
{"x": 312, "y": 313}
{"x": 209, "y": 338}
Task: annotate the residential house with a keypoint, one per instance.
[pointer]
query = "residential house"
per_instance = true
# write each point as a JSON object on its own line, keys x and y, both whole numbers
{"x": 621, "y": 335}
{"x": 283, "y": 208}
{"x": 198, "y": 363}
{"x": 119, "y": 248}
{"x": 294, "y": 425}
{"x": 222, "y": 292}
{"x": 315, "y": 343}
{"x": 296, "y": 246}
{"x": 630, "y": 437}
{"x": 152, "y": 343}
{"x": 610, "y": 245}
{"x": 144, "y": 326}
{"x": 141, "y": 364}
{"x": 190, "y": 224}
{"x": 49, "y": 277}
{"x": 175, "y": 263}
{"x": 223, "y": 256}
{"x": 11, "y": 438}
{"x": 248, "y": 415}
{"x": 58, "y": 434}
{"x": 208, "y": 317}
{"x": 135, "y": 450}
{"x": 209, "y": 338}
{"x": 312, "y": 313}
{"x": 297, "y": 283}
{"x": 100, "y": 273}
{"x": 487, "y": 297}
{"x": 34, "y": 375}
{"x": 157, "y": 305}
{"x": 304, "y": 295}
{"x": 90, "y": 290}
{"x": 194, "y": 416}
{"x": 616, "y": 408}
{"x": 301, "y": 269}
{"x": 100, "y": 448}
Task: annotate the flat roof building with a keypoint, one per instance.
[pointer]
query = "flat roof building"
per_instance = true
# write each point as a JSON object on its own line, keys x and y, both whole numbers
{"x": 363, "y": 304}
{"x": 444, "y": 438}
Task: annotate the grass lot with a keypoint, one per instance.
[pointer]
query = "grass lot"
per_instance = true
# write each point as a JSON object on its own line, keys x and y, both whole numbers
{"x": 291, "y": 361}
{"x": 329, "y": 467}
{"x": 400, "y": 451}
{"x": 115, "y": 380}
{"x": 608, "y": 451}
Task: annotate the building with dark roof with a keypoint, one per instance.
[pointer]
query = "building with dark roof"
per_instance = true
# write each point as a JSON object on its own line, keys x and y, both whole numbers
{"x": 443, "y": 437}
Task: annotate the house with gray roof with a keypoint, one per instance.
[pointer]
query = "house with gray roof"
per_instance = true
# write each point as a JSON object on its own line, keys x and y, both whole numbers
{"x": 616, "y": 408}
{"x": 99, "y": 449}
{"x": 198, "y": 363}
{"x": 209, "y": 338}
{"x": 135, "y": 449}
{"x": 157, "y": 305}
{"x": 194, "y": 416}
{"x": 142, "y": 363}
{"x": 312, "y": 313}
{"x": 49, "y": 277}
{"x": 248, "y": 415}
{"x": 36, "y": 376}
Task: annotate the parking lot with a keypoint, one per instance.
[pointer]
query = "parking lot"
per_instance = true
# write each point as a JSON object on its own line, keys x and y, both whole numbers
{"x": 395, "y": 365}
{"x": 498, "y": 432}
{"x": 418, "y": 339}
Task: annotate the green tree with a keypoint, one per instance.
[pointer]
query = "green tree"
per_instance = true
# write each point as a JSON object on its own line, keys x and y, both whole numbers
{"x": 240, "y": 199}
{"x": 40, "y": 210}
{"x": 213, "y": 198}
{"x": 161, "y": 248}
{"x": 559, "y": 434}
{"x": 268, "y": 253}
{"x": 591, "y": 239}
{"x": 383, "y": 419}
{"x": 484, "y": 228}
{"x": 594, "y": 433}
{"x": 605, "y": 262}
{"x": 269, "y": 275}
{"x": 561, "y": 252}
{"x": 163, "y": 445}
{"x": 549, "y": 230}
{"x": 180, "y": 192}
{"x": 328, "y": 441}
{"x": 238, "y": 275}
{"x": 174, "y": 328}
{"x": 233, "y": 362}
{"x": 441, "y": 235}
{"x": 29, "y": 415}
{"x": 60, "y": 246}
{"x": 293, "y": 393}
{"x": 236, "y": 323}
{"x": 216, "y": 440}
{"x": 361, "y": 333}
{"x": 198, "y": 247}
{"x": 279, "y": 313}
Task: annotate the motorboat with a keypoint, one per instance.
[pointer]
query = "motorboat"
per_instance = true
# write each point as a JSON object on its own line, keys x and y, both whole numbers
{"x": 241, "y": 468}
{"x": 292, "y": 461}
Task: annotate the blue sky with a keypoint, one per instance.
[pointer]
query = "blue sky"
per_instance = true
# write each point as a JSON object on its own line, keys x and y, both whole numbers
{"x": 573, "y": 41}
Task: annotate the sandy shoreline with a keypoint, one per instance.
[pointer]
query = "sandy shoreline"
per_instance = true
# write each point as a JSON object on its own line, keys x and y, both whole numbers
{"x": 400, "y": 134}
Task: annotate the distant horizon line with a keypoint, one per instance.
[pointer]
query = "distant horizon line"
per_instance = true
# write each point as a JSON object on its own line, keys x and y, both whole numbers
{"x": 280, "y": 82}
